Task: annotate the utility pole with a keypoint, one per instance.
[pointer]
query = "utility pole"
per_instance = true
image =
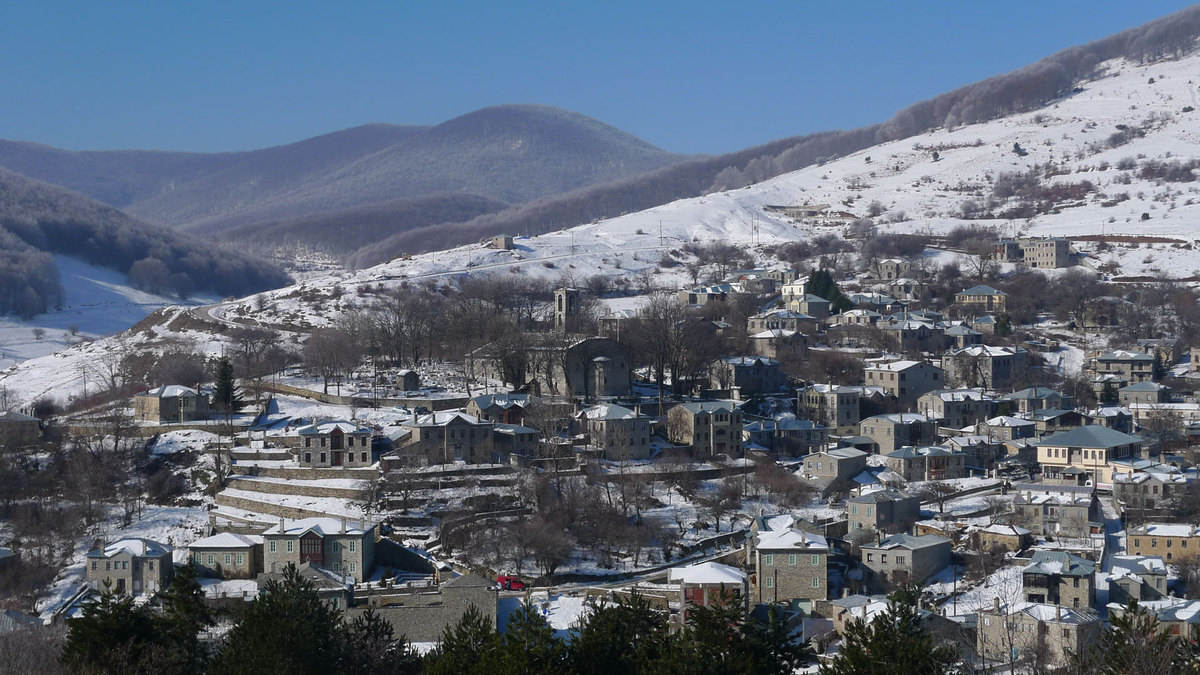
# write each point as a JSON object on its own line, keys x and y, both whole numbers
{"x": 660, "y": 234}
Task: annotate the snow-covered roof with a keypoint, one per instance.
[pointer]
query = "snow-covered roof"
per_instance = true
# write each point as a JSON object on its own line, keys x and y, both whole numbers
{"x": 322, "y": 526}
{"x": 750, "y": 361}
{"x": 170, "y": 391}
{"x": 609, "y": 412}
{"x": 1166, "y": 530}
{"x": 14, "y": 416}
{"x": 909, "y": 542}
{"x": 1010, "y": 530}
{"x": 982, "y": 289}
{"x": 136, "y": 546}
{"x": 1060, "y": 563}
{"x": 790, "y": 539}
{"x": 896, "y": 366}
{"x": 985, "y": 351}
{"x": 227, "y": 540}
{"x": 1007, "y": 421}
{"x": 322, "y": 428}
{"x": 1124, "y": 355}
{"x": 707, "y": 573}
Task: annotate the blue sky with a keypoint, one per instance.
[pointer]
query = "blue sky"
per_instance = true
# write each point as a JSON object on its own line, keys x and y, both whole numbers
{"x": 688, "y": 77}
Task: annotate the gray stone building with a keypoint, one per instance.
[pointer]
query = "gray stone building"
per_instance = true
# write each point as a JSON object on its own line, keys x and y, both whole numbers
{"x": 1060, "y": 578}
{"x": 904, "y": 559}
{"x": 444, "y": 438}
{"x": 131, "y": 566}
{"x": 708, "y": 427}
{"x": 1034, "y": 635}
{"x": 338, "y": 545}
{"x": 227, "y": 555}
{"x": 931, "y": 462}
{"x": 170, "y": 403}
{"x": 790, "y": 565}
{"x": 906, "y": 380}
{"x": 334, "y": 443}
{"x": 621, "y": 433}
{"x": 748, "y": 374}
{"x": 892, "y": 432}
{"x": 1136, "y": 578}
{"x": 956, "y": 408}
{"x": 834, "y": 470}
{"x": 995, "y": 368}
{"x": 887, "y": 510}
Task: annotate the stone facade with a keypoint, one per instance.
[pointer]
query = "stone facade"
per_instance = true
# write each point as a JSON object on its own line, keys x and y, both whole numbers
{"x": 710, "y": 428}
{"x": 1173, "y": 543}
{"x": 333, "y": 444}
{"x": 422, "y": 616}
{"x": 228, "y": 555}
{"x": 622, "y": 433}
{"x": 983, "y": 366}
{"x": 132, "y": 566}
{"x": 906, "y": 380}
{"x": 903, "y": 558}
{"x": 749, "y": 374}
{"x": 1060, "y": 578}
{"x": 883, "y": 510}
{"x": 1035, "y": 634}
{"x": 445, "y": 437}
{"x": 790, "y": 565}
{"x": 336, "y": 545}
{"x": 892, "y": 432}
{"x": 170, "y": 403}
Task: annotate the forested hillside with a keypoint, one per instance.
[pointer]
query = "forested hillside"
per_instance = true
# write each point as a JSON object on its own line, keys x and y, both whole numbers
{"x": 37, "y": 219}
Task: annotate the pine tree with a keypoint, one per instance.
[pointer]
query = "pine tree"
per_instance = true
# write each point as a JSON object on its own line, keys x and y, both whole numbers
{"x": 773, "y": 649}
{"x": 620, "y": 639}
{"x": 288, "y": 629}
{"x": 894, "y": 643}
{"x": 530, "y": 646}
{"x": 372, "y": 648}
{"x": 1109, "y": 395}
{"x": 1134, "y": 642}
{"x": 226, "y": 398}
{"x": 184, "y": 615}
{"x": 469, "y": 646}
{"x": 112, "y": 635}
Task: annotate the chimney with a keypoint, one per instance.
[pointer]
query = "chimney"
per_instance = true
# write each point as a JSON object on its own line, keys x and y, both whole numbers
{"x": 996, "y": 604}
{"x": 1058, "y": 611}
{"x": 846, "y": 592}
{"x": 282, "y": 524}
{"x": 803, "y": 537}
{"x": 342, "y": 528}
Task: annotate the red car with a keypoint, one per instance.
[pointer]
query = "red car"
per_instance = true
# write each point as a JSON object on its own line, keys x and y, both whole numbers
{"x": 510, "y": 583}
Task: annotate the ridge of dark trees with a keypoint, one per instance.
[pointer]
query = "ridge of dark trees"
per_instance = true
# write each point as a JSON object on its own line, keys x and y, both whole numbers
{"x": 37, "y": 220}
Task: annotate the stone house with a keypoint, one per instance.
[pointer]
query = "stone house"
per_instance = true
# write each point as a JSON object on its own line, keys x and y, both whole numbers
{"x": 703, "y": 295}
{"x": 1006, "y": 428}
{"x": 335, "y": 443}
{"x": 18, "y": 429}
{"x": 809, "y": 304}
{"x": 1136, "y": 578}
{"x": 783, "y": 319}
{"x": 886, "y": 510}
{"x": 170, "y": 403}
{"x": 423, "y": 614}
{"x": 1060, "y": 578}
{"x": 499, "y": 408}
{"x": 787, "y": 435}
{"x": 923, "y": 463}
{"x": 709, "y": 427}
{"x": 910, "y": 336}
{"x": 1111, "y": 416}
{"x": 562, "y": 364}
{"x": 408, "y": 380}
{"x": 1047, "y": 421}
{"x": 1091, "y": 448}
{"x": 892, "y": 268}
{"x": 340, "y": 546}
{"x": 956, "y": 408}
{"x": 906, "y": 380}
{"x": 779, "y": 343}
{"x": 513, "y": 440}
{"x": 1042, "y": 635}
{"x": 444, "y": 438}
{"x": 1031, "y": 399}
{"x": 1128, "y": 365}
{"x": 1008, "y": 538}
{"x": 748, "y": 374}
{"x": 622, "y": 433}
{"x": 836, "y": 406}
{"x": 1035, "y": 252}
{"x": 993, "y": 368}
{"x": 980, "y": 299}
{"x": 892, "y": 432}
{"x": 903, "y": 558}
{"x": 1177, "y": 617}
{"x": 228, "y": 555}
{"x": 1168, "y": 350}
{"x": 131, "y": 566}
{"x": 1058, "y": 510}
{"x": 707, "y": 583}
{"x": 1143, "y": 392}
{"x": 789, "y": 565}
{"x": 1174, "y": 543}
{"x": 1149, "y": 494}
{"x": 834, "y": 469}
{"x": 960, "y": 335}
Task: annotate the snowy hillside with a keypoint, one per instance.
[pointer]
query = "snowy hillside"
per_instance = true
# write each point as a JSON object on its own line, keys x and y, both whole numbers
{"x": 923, "y": 184}
{"x": 99, "y": 302}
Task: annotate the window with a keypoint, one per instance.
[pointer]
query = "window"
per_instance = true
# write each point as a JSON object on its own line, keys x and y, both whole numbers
{"x": 291, "y": 546}
{"x": 241, "y": 559}
{"x": 1066, "y": 633}
{"x": 1076, "y": 582}
{"x": 271, "y": 545}
{"x": 308, "y": 458}
{"x": 353, "y": 546}
{"x": 899, "y": 560}
{"x": 197, "y": 558}
{"x": 94, "y": 565}
{"x": 870, "y": 557}
{"x": 107, "y": 566}
{"x": 337, "y": 548}
{"x": 228, "y": 558}
{"x": 816, "y": 582}
{"x": 883, "y": 557}
{"x": 353, "y": 567}
{"x": 212, "y": 559}
{"x": 337, "y": 566}
{"x": 322, "y": 458}
{"x": 768, "y": 559}
{"x": 792, "y": 559}
{"x": 816, "y": 559}
{"x": 770, "y": 582}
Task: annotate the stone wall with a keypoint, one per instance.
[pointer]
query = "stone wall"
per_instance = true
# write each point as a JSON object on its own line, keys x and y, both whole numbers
{"x": 301, "y": 473}
{"x": 298, "y": 488}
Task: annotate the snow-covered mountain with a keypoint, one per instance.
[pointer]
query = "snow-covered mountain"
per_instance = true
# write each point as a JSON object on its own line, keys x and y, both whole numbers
{"x": 1105, "y": 147}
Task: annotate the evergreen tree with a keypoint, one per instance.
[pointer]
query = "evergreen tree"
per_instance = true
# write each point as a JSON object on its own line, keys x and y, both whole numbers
{"x": 620, "y": 639}
{"x": 1134, "y": 642}
{"x": 1109, "y": 395}
{"x": 894, "y": 643}
{"x": 113, "y": 635}
{"x": 530, "y": 646}
{"x": 469, "y": 646}
{"x": 288, "y": 629}
{"x": 226, "y": 397}
{"x": 184, "y": 615}
{"x": 372, "y": 648}
{"x": 1003, "y": 324}
{"x": 773, "y": 649}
